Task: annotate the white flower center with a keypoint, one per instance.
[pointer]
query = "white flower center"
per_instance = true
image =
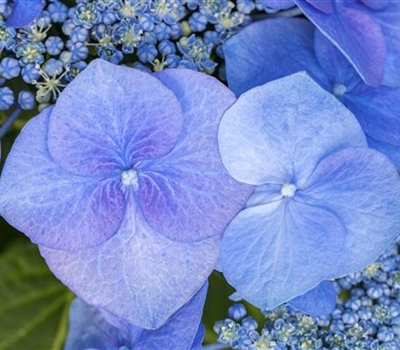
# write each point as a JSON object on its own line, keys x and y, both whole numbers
{"x": 339, "y": 89}
{"x": 130, "y": 178}
{"x": 288, "y": 190}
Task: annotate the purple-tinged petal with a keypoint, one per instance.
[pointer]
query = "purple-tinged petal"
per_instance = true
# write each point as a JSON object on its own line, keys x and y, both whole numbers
{"x": 268, "y": 50}
{"x": 334, "y": 65}
{"x": 376, "y": 4}
{"x": 361, "y": 187}
{"x": 111, "y": 117}
{"x": 320, "y": 301}
{"x": 275, "y": 252}
{"x": 369, "y": 39}
{"x": 277, "y": 4}
{"x": 181, "y": 331}
{"x": 135, "y": 274}
{"x": 50, "y": 205}
{"x": 24, "y": 12}
{"x": 378, "y": 111}
{"x": 325, "y": 6}
{"x": 390, "y": 150}
{"x": 90, "y": 328}
{"x": 275, "y": 133}
{"x": 187, "y": 195}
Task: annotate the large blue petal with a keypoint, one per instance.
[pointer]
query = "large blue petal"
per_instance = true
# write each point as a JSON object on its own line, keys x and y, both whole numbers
{"x": 278, "y": 132}
{"x": 268, "y": 50}
{"x": 49, "y": 204}
{"x": 90, "y": 328}
{"x": 368, "y": 37}
{"x": 320, "y": 301}
{"x": 187, "y": 195}
{"x": 111, "y": 117}
{"x": 275, "y": 252}
{"x": 24, "y": 12}
{"x": 135, "y": 274}
{"x": 361, "y": 187}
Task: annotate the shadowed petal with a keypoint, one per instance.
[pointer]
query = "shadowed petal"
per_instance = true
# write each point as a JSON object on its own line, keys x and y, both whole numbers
{"x": 320, "y": 301}
{"x": 361, "y": 187}
{"x": 271, "y": 135}
{"x": 111, "y": 117}
{"x": 90, "y": 328}
{"x": 136, "y": 273}
{"x": 378, "y": 111}
{"x": 49, "y": 204}
{"x": 367, "y": 34}
{"x": 24, "y": 12}
{"x": 277, "y": 4}
{"x": 275, "y": 252}
{"x": 268, "y": 50}
{"x": 187, "y": 195}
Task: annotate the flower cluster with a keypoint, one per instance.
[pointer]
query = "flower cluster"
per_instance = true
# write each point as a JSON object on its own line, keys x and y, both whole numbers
{"x": 50, "y": 51}
{"x": 367, "y": 316}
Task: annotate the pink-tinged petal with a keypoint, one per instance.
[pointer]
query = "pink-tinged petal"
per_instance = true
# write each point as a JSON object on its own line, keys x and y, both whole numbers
{"x": 49, "y": 204}
{"x": 111, "y": 117}
{"x": 187, "y": 195}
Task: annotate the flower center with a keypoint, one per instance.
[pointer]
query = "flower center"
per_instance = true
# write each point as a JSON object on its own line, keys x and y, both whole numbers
{"x": 288, "y": 190}
{"x": 130, "y": 178}
{"x": 339, "y": 90}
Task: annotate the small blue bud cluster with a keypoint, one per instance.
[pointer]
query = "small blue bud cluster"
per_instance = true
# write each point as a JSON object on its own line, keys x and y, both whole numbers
{"x": 367, "y": 316}
{"x": 149, "y": 35}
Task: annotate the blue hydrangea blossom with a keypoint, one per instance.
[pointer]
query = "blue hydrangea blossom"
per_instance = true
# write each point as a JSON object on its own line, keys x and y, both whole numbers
{"x": 324, "y": 204}
{"x": 24, "y": 12}
{"x": 92, "y": 328}
{"x": 123, "y": 188}
{"x": 367, "y": 32}
{"x": 292, "y": 45}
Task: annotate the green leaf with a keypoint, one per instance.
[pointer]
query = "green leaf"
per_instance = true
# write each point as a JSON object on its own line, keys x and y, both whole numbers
{"x": 33, "y": 303}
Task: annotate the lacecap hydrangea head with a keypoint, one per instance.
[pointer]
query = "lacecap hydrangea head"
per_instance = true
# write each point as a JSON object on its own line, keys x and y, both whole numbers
{"x": 324, "y": 204}
{"x": 122, "y": 186}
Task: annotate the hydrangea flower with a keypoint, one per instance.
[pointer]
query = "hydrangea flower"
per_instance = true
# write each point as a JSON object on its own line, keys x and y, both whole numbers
{"x": 324, "y": 204}
{"x": 92, "y": 328}
{"x": 367, "y": 32}
{"x": 123, "y": 187}
{"x": 293, "y": 45}
{"x": 24, "y": 12}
